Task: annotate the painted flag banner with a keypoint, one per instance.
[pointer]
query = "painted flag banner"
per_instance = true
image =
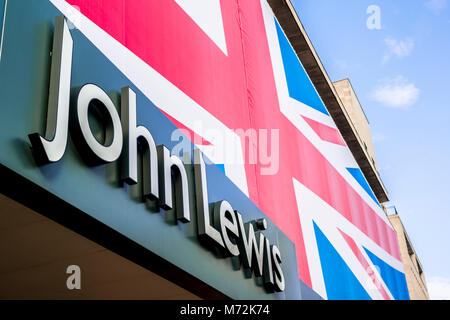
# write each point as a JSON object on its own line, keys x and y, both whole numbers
{"x": 224, "y": 72}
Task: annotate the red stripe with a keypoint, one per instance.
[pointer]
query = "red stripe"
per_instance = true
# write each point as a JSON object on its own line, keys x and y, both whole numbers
{"x": 325, "y": 132}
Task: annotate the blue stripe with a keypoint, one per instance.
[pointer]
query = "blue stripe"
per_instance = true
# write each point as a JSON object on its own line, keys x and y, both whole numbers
{"x": 359, "y": 177}
{"x": 299, "y": 85}
{"x": 221, "y": 167}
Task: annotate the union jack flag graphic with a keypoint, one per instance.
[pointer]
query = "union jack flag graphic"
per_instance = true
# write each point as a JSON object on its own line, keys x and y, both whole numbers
{"x": 223, "y": 65}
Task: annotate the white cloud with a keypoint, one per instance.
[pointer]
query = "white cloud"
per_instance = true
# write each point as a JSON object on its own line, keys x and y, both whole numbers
{"x": 436, "y": 6}
{"x": 398, "y": 48}
{"x": 439, "y": 288}
{"x": 396, "y": 93}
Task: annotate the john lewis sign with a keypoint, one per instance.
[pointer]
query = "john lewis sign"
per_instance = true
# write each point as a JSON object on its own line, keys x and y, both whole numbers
{"x": 123, "y": 140}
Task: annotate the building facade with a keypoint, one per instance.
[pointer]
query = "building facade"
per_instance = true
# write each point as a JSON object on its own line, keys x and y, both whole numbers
{"x": 357, "y": 116}
{"x": 194, "y": 147}
{"x": 415, "y": 276}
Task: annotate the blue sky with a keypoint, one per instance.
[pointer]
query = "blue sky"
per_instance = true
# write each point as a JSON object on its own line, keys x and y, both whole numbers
{"x": 401, "y": 74}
